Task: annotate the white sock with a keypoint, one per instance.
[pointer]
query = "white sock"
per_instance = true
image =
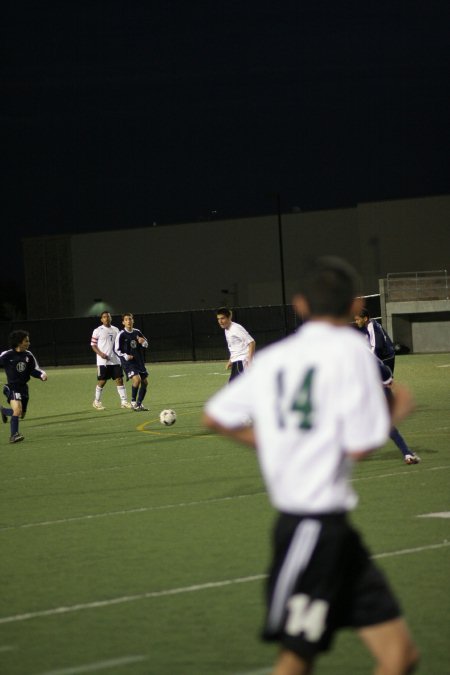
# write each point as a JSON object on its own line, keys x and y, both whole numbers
{"x": 98, "y": 393}
{"x": 122, "y": 393}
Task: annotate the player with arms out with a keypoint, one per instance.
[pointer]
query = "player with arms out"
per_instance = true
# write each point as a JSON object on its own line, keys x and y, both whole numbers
{"x": 130, "y": 346}
{"x": 19, "y": 364}
{"x": 108, "y": 363}
{"x": 317, "y": 404}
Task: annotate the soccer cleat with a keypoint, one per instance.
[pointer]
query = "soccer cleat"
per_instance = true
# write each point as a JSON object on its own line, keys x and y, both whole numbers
{"x": 98, "y": 405}
{"x": 125, "y": 404}
{"x": 140, "y": 408}
{"x": 412, "y": 459}
{"x": 16, "y": 438}
{"x": 4, "y": 417}
{"x": 133, "y": 405}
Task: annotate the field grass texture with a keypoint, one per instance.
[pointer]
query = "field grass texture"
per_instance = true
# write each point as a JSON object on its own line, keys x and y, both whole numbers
{"x": 134, "y": 549}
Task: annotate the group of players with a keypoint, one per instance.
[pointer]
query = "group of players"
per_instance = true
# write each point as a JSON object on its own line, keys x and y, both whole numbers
{"x": 241, "y": 346}
{"x": 117, "y": 351}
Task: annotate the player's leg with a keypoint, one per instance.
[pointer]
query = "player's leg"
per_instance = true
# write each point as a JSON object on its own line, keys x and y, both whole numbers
{"x": 408, "y": 455}
{"x": 289, "y": 663}
{"x": 101, "y": 381}
{"x": 6, "y": 412}
{"x": 391, "y": 645}
{"x": 142, "y": 392}
{"x": 121, "y": 390}
{"x": 17, "y": 411}
{"x": 135, "y": 382}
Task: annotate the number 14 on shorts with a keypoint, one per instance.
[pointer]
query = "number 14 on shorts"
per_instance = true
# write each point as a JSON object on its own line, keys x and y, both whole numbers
{"x": 306, "y": 616}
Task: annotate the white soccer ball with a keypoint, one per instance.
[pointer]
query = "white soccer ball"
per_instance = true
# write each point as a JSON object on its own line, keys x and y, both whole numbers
{"x": 168, "y": 417}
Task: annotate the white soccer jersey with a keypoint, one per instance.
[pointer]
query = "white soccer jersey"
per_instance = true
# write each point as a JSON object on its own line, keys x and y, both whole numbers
{"x": 238, "y": 340}
{"x": 104, "y": 338}
{"x": 313, "y": 398}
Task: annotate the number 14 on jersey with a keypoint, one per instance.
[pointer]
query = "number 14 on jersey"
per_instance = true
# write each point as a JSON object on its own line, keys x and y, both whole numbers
{"x": 299, "y": 404}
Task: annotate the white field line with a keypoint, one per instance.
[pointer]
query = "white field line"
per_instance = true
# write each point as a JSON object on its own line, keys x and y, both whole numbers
{"x": 98, "y": 665}
{"x": 118, "y": 467}
{"x": 179, "y": 505}
{"x": 143, "y": 509}
{"x": 178, "y": 591}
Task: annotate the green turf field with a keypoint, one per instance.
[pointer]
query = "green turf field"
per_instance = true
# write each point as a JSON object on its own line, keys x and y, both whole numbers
{"x": 130, "y": 548}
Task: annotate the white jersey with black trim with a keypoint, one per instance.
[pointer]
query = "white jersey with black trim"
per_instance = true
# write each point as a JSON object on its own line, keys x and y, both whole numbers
{"x": 238, "y": 340}
{"x": 104, "y": 338}
{"x": 313, "y": 398}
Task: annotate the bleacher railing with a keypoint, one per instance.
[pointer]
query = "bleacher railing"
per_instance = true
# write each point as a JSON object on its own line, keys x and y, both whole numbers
{"x": 429, "y": 285}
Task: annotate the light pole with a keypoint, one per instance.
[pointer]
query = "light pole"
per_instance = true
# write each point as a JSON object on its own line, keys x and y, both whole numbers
{"x": 282, "y": 275}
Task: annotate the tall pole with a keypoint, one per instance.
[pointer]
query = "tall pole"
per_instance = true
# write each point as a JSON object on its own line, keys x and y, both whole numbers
{"x": 282, "y": 275}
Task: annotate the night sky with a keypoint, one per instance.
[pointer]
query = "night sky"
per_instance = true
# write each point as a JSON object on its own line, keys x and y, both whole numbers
{"x": 121, "y": 114}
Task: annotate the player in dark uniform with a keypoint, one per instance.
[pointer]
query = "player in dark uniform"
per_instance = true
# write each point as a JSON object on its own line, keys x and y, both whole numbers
{"x": 130, "y": 346}
{"x": 408, "y": 455}
{"x": 19, "y": 365}
{"x": 379, "y": 341}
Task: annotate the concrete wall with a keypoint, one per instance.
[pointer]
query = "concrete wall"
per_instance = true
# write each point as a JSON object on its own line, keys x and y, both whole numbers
{"x": 190, "y": 266}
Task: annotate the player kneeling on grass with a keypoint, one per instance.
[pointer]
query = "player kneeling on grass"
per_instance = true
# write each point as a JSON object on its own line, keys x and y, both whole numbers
{"x": 19, "y": 364}
{"x": 317, "y": 405}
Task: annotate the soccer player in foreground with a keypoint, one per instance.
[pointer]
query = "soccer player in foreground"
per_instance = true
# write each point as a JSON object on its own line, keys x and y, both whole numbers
{"x": 315, "y": 411}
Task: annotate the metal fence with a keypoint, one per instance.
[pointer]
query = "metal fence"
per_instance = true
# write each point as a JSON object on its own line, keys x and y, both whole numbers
{"x": 173, "y": 336}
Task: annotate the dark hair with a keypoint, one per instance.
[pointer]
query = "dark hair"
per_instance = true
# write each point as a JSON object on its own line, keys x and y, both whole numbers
{"x": 226, "y": 311}
{"x": 17, "y": 337}
{"x": 127, "y": 314}
{"x": 105, "y": 311}
{"x": 364, "y": 314}
{"x": 330, "y": 286}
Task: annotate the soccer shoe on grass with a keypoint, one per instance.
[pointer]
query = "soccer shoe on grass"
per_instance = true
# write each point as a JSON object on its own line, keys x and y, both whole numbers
{"x": 98, "y": 405}
{"x": 140, "y": 408}
{"x": 4, "y": 417}
{"x": 125, "y": 404}
{"x": 16, "y": 438}
{"x": 412, "y": 459}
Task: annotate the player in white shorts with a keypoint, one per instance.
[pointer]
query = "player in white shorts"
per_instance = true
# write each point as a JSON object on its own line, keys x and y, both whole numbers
{"x": 317, "y": 405}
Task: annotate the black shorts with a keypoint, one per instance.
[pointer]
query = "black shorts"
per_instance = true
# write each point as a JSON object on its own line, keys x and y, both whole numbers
{"x": 131, "y": 371}
{"x": 109, "y": 372}
{"x": 237, "y": 367}
{"x": 322, "y": 579}
{"x": 17, "y": 393}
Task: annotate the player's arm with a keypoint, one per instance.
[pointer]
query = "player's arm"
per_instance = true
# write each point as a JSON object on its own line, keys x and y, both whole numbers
{"x": 251, "y": 350}
{"x": 99, "y": 352}
{"x": 242, "y": 434}
{"x": 37, "y": 372}
{"x": 118, "y": 348}
{"x": 142, "y": 341}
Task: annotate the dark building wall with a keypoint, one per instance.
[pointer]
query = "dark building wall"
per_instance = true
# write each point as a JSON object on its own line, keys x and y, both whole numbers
{"x": 236, "y": 262}
{"x": 48, "y": 276}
